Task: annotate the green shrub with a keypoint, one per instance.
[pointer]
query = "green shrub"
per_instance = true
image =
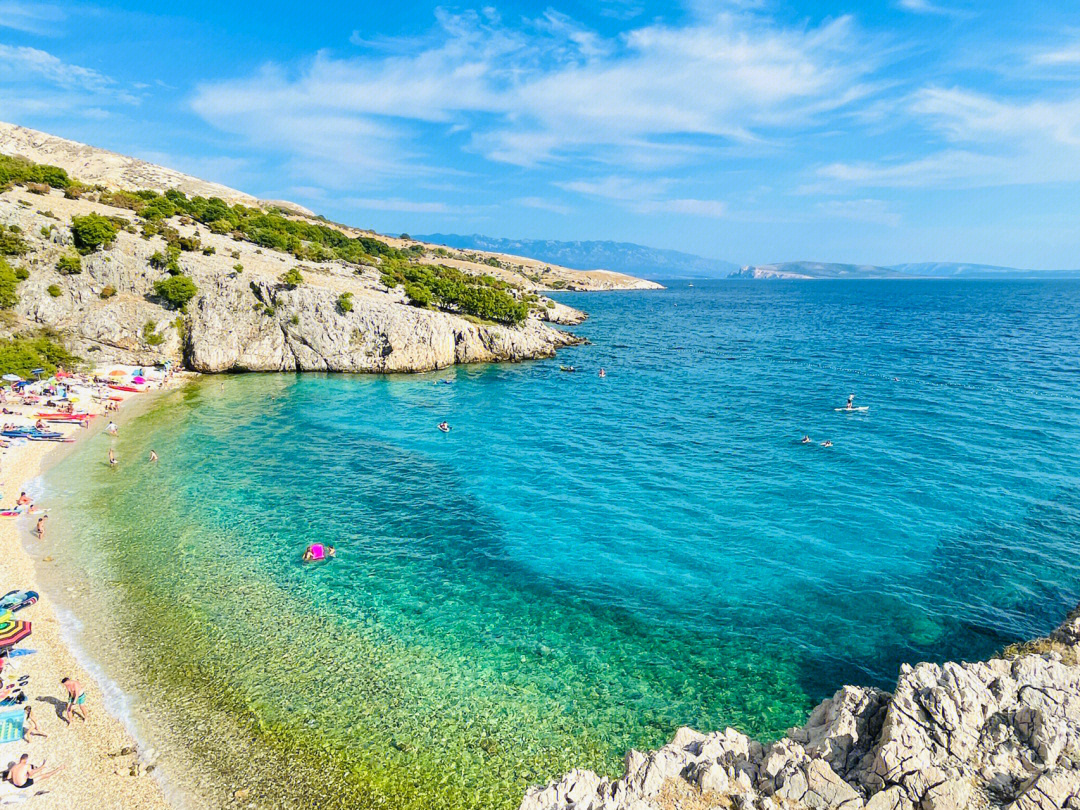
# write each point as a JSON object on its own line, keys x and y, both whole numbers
{"x": 92, "y": 231}
{"x": 22, "y": 354}
{"x": 8, "y": 282}
{"x": 54, "y": 291}
{"x": 295, "y": 320}
{"x": 292, "y": 278}
{"x": 239, "y": 268}
{"x": 453, "y": 290}
{"x": 108, "y": 291}
{"x": 150, "y": 335}
{"x": 344, "y": 302}
{"x": 190, "y": 243}
{"x": 157, "y": 260}
{"x": 11, "y": 243}
{"x": 418, "y": 294}
{"x": 20, "y": 170}
{"x": 209, "y": 251}
{"x": 176, "y": 290}
{"x": 21, "y": 274}
{"x": 122, "y": 199}
{"x": 69, "y": 264}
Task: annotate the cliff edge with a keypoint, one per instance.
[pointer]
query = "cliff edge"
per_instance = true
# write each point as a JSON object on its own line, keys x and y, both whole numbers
{"x": 999, "y": 733}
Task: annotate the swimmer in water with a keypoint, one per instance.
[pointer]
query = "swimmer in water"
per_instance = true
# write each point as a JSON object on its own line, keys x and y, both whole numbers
{"x": 806, "y": 440}
{"x": 444, "y": 427}
{"x": 112, "y": 457}
{"x": 317, "y": 551}
{"x": 602, "y": 373}
{"x": 153, "y": 456}
{"x": 826, "y": 443}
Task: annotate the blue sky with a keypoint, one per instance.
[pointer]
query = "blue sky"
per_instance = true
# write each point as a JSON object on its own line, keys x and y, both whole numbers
{"x": 754, "y": 131}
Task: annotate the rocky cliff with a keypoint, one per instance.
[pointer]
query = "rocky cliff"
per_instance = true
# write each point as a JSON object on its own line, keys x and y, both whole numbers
{"x": 243, "y": 317}
{"x": 1000, "y": 733}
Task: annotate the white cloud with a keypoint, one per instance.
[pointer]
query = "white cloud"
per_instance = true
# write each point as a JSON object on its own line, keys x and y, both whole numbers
{"x": 996, "y": 142}
{"x": 874, "y": 212}
{"x": 42, "y": 19}
{"x": 689, "y": 207}
{"x": 21, "y": 62}
{"x": 541, "y": 204}
{"x": 617, "y": 187}
{"x": 409, "y": 206}
{"x": 926, "y": 7}
{"x": 550, "y": 92}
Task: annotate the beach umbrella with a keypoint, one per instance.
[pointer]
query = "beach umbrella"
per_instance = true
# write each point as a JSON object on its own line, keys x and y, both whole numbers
{"x": 37, "y": 371}
{"x": 12, "y": 378}
{"x": 138, "y": 380}
{"x": 13, "y": 631}
{"x": 117, "y": 372}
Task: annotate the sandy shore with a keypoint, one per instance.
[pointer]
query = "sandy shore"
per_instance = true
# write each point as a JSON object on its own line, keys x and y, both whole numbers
{"x": 102, "y": 767}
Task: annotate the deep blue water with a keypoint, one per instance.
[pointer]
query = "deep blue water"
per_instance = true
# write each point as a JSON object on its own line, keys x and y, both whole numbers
{"x": 584, "y": 564}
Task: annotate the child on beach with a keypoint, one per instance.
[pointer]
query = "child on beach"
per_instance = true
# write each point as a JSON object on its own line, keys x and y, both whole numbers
{"x": 76, "y": 700}
{"x": 30, "y": 727}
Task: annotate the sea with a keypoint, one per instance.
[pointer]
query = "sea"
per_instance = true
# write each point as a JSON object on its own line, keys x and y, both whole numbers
{"x": 583, "y": 563}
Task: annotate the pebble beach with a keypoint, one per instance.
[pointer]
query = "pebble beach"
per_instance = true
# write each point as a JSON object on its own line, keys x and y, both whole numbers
{"x": 99, "y": 757}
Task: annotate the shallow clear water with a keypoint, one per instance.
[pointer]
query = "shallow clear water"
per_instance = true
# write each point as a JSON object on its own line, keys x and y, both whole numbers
{"x": 582, "y": 564}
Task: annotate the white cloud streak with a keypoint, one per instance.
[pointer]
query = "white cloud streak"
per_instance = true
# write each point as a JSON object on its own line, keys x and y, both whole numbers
{"x": 551, "y": 92}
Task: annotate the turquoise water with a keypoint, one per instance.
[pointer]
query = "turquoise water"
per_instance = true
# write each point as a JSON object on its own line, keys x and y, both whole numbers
{"x": 582, "y": 564}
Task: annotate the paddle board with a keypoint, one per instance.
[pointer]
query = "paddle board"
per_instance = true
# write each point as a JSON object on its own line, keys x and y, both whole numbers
{"x": 860, "y": 409}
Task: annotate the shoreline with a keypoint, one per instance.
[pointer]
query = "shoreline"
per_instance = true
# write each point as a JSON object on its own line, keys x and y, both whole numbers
{"x": 103, "y": 757}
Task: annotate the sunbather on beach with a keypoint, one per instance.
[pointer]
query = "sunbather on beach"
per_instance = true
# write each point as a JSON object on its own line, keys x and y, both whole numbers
{"x": 22, "y": 774}
{"x": 76, "y": 700}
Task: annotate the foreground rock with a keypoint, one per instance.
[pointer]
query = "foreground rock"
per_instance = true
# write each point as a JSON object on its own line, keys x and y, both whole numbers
{"x": 1000, "y": 733}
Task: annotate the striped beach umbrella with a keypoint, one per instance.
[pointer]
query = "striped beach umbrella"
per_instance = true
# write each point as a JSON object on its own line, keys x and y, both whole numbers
{"x": 13, "y": 631}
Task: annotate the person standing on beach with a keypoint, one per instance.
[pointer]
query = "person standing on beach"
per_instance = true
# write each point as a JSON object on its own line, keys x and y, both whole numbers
{"x": 76, "y": 700}
{"x": 41, "y": 527}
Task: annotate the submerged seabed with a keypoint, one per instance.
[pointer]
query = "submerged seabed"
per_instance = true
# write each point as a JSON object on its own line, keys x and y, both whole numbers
{"x": 581, "y": 565}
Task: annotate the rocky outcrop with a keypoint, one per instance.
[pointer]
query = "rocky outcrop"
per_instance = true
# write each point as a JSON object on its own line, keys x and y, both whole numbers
{"x": 1000, "y": 733}
{"x": 244, "y": 316}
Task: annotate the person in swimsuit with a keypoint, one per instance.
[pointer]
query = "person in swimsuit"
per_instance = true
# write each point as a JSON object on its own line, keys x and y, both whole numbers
{"x": 826, "y": 443}
{"x": 444, "y": 427}
{"x": 112, "y": 457}
{"x": 30, "y": 727}
{"x": 22, "y": 774}
{"x": 24, "y": 502}
{"x": 41, "y": 527}
{"x": 76, "y": 700}
{"x": 602, "y": 373}
{"x": 850, "y": 403}
{"x": 153, "y": 456}
{"x": 111, "y": 428}
{"x": 806, "y": 440}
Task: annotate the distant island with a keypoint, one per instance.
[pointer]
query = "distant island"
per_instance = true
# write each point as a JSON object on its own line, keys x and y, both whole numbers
{"x": 662, "y": 264}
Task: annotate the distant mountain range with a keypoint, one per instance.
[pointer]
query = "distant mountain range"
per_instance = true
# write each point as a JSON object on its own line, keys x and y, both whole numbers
{"x": 656, "y": 263}
{"x": 812, "y": 270}
{"x": 622, "y": 257}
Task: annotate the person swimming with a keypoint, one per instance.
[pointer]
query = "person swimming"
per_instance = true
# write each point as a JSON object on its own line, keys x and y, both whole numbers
{"x": 826, "y": 443}
{"x": 444, "y": 427}
{"x": 112, "y": 457}
{"x": 806, "y": 440}
{"x": 317, "y": 551}
{"x": 602, "y": 373}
